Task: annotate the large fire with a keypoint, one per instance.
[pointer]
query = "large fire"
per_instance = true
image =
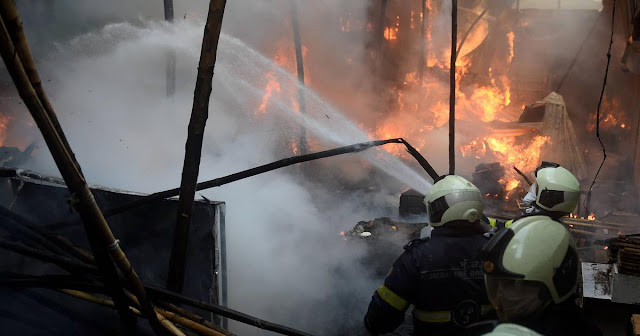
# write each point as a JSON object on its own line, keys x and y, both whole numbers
{"x": 420, "y": 102}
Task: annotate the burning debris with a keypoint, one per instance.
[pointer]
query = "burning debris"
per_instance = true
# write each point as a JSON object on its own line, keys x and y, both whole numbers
{"x": 13, "y": 157}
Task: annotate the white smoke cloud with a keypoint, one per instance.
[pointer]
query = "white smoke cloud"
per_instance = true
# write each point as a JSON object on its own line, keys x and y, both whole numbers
{"x": 286, "y": 261}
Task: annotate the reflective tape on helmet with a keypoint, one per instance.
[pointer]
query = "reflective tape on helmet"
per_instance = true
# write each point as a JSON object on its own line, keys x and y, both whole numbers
{"x": 443, "y": 316}
{"x": 392, "y": 298}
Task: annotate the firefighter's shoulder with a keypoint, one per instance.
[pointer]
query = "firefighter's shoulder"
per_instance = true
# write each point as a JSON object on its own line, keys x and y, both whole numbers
{"x": 414, "y": 243}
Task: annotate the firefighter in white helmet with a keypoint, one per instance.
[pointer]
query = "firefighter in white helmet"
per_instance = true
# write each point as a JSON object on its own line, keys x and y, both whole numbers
{"x": 440, "y": 275}
{"x": 531, "y": 275}
{"x": 557, "y": 192}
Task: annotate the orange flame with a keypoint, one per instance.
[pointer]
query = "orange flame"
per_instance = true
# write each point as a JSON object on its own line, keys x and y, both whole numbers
{"x": 526, "y": 156}
{"x": 611, "y": 115}
{"x": 477, "y": 147}
{"x": 591, "y": 216}
{"x": 510, "y": 37}
{"x": 509, "y": 184}
{"x": 391, "y": 33}
{"x": 272, "y": 86}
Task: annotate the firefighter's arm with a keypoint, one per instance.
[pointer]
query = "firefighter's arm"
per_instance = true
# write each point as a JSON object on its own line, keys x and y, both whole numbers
{"x": 391, "y": 300}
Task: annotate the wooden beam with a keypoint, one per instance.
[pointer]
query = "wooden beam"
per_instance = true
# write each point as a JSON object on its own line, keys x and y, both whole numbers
{"x": 20, "y": 66}
{"x": 193, "y": 147}
{"x": 171, "y": 54}
{"x": 452, "y": 88}
{"x": 423, "y": 42}
{"x": 300, "y": 68}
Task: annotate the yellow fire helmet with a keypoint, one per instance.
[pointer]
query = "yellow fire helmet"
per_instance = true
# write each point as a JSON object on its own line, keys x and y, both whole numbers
{"x": 558, "y": 189}
{"x": 529, "y": 265}
{"x": 453, "y": 198}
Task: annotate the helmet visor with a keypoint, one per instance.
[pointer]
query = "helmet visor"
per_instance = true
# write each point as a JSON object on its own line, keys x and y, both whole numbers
{"x": 517, "y": 300}
{"x": 439, "y": 206}
{"x": 493, "y": 251}
{"x": 551, "y": 198}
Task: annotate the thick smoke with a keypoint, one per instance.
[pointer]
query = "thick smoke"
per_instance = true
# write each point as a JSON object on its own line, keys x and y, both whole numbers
{"x": 286, "y": 261}
{"x": 105, "y": 72}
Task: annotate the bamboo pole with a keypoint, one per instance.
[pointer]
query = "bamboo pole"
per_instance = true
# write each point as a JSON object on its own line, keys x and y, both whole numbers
{"x": 57, "y": 240}
{"x": 9, "y": 279}
{"x": 423, "y": 42}
{"x": 468, "y": 31}
{"x": 63, "y": 262}
{"x": 199, "y": 328}
{"x": 53, "y": 282}
{"x": 13, "y": 24}
{"x": 273, "y": 166}
{"x": 98, "y": 232}
{"x": 452, "y": 88}
{"x": 193, "y": 147}
{"x": 168, "y": 10}
{"x": 252, "y": 172}
{"x": 194, "y": 317}
{"x": 80, "y": 287}
{"x": 171, "y": 54}
{"x": 108, "y": 303}
{"x": 300, "y": 69}
{"x": 525, "y": 177}
{"x": 187, "y": 323}
{"x": 380, "y": 37}
{"x": 162, "y": 293}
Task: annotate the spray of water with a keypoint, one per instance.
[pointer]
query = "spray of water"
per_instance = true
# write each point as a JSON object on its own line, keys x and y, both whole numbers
{"x": 321, "y": 118}
{"x": 284, "y": 250}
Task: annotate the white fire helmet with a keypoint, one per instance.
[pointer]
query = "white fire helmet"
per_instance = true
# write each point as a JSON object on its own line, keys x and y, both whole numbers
{"x": 453, "y": 198}
{"x": 528, "y": 266}
{"x": 558, "y": 189}
{"x": 510, "y": 329}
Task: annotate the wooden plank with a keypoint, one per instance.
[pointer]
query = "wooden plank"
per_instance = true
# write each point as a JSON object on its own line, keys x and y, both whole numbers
{"x": 635, "y": 322}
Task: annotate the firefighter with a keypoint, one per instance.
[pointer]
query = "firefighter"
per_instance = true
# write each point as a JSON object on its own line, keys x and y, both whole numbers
{"x": 531, "y": 274}
{"x": 530, "y": 198}
{"x": 441, "y": 275}
{"x": 555, "y": 193}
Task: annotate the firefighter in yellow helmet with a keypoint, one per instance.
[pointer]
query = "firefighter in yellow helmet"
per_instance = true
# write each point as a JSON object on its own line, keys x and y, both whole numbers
{"x": 531, "y": 275}
{"x": 441, "y": 275}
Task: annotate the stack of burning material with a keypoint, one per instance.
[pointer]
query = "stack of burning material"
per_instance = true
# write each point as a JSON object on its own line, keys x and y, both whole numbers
{"x": 550, "y": 117}
{"x": 626, "y": 250}
{"x": 593, "y": 228}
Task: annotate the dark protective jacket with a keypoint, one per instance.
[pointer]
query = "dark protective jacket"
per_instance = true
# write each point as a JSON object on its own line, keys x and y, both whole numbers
{"x": 566, "y": 319}
{"x": 442, "y": 277}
